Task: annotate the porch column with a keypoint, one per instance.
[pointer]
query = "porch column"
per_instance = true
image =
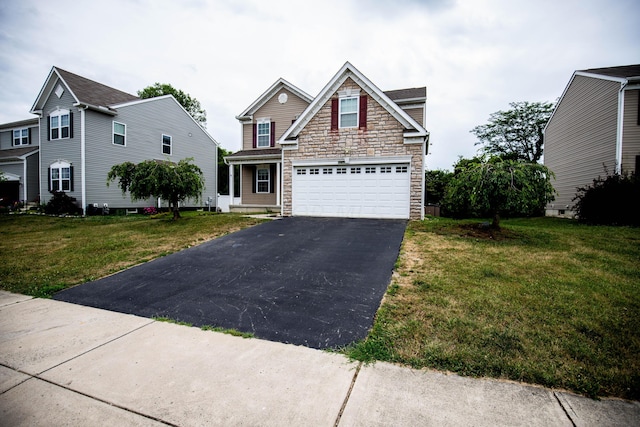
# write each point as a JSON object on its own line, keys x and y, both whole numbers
{"x": 279, "y": 175}
{"x": 231, "y": 189}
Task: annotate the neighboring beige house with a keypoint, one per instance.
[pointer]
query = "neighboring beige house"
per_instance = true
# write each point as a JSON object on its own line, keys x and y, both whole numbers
{"x": 595, "y": 125}
{"x": 352, "y": 151}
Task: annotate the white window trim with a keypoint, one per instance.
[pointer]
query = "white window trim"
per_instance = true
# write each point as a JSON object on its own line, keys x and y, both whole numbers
{"x": 165, "y": 145}
{"x": 258, "y": 180}
{"x": 357, "y": 112}
{"x": 59, "y": 114}
{"x": 20, "y": 138}
{"x": 114, "y": 133}
{"x": 268, "y": 134}
{"x": 59, "y": 166}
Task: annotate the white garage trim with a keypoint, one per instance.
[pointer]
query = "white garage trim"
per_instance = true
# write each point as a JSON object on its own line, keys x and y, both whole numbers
{"x": 379, "y": 189}
{"x": 352, "y": 161}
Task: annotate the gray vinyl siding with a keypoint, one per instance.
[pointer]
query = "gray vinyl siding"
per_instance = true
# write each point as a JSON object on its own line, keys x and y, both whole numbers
{"x": 33, "y": 177}
{"x": 6, "y": 137}
{"x": 67, "y": 149}
{"x": 630, "y": 131}
{"x": 13, "y": 168}
{"x": 145, "y": 123}
{"x": 282, "y": 114}
{"x": 581, "y": 136}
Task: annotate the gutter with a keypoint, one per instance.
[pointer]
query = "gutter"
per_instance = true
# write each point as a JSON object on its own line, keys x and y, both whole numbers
{"x": 619, "y": 127}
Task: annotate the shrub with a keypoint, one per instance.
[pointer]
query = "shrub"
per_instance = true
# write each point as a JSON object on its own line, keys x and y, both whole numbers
{"x": 150, "y": 211}
{"x": 611, "y": 200}
{"x": 61, "y": 204}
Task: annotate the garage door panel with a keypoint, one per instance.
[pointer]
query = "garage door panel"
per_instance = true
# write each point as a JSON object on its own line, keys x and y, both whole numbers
{"x": 367, "y": 191}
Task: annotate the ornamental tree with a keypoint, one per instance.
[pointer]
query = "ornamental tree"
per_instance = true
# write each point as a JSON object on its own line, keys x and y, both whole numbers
{"x": 175, "y": 182}
{"x": 497, "y": 187}
{"x": 517, "y": 133}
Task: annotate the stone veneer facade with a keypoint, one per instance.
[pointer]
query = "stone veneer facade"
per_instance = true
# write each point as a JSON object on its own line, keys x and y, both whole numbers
{"x": 383, "y": 137}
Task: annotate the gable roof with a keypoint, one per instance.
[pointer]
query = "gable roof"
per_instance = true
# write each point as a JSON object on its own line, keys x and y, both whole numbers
{"x": 15, "y": 154}
{"x": 33, "y": 121}
{"x": 271, "y": 92}
{"x": 84, "y": 91}
{"x": 413, "y": 128}
{"x": 407, "y": 95}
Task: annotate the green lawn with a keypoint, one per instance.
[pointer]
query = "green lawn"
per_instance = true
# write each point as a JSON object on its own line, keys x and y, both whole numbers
{"x": 546, "y": 301}
{"x": 40, "y": 255}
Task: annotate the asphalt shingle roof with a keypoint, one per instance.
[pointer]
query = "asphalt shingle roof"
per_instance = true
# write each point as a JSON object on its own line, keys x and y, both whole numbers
{"x": 410, "y": 93}
{"x": 94, "y": 93}
{"x": 625, "y": 71}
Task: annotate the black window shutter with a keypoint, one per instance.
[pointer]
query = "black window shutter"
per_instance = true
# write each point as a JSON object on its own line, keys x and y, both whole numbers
{"x": 254, "y": 172}
{"x": 49, "y": 178}
{"x": 272, "y": 175}
{"x": 29, "y": 137}
{"x": 255, "y": 135}
{"x": 363, "y": 112}
{"x": 71, "y": 177}
{"x": 48, "y": 129}
{"x": 70, "y": 124}
{"x": 334, "y": 114}
{"x": 273, "y": 134}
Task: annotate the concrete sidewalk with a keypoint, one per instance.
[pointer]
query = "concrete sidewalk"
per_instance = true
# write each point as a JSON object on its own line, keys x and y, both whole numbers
{"x": 65, "y": 364}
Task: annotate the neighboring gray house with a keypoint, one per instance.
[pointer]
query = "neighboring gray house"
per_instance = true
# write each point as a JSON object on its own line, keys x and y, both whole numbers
{"x": 19, "y": 143}
{"x": 86, "y": 127}
{"x": 596, "y": 124}
{"x": 352, "y": 151}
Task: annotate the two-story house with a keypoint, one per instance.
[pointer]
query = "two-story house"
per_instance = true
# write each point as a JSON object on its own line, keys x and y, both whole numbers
{"x": 352, "y": 151}
{"x": 595, "y": 125}
{"x": 85, "y": 127}
{"x": 19, "y": 162}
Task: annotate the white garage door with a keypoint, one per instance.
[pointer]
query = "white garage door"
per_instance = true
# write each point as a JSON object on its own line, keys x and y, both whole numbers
{"x": 357, "y": 191}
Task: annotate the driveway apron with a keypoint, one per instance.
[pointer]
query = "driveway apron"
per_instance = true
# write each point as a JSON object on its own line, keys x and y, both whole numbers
{"x": 316, "y": 282}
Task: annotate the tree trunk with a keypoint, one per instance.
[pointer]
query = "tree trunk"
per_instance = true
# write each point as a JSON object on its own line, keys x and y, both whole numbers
{"x": 496, "y": 221}
{"x": 175, "y": 209}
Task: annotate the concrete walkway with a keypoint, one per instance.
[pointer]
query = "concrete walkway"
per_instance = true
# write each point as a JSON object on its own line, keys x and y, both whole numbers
{"x": 65, "y": 364}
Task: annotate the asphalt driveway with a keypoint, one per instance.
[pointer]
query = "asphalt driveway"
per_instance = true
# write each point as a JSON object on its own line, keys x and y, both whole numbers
{"x": 316, "y": 282}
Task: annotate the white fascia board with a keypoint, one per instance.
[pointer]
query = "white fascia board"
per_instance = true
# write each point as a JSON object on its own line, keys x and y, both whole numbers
{"x": 47, "y": 88}
{"x": 254, "y": 160}
{"x": 270, "y": 93}
{"x": 158, "y": 98}
{"x": 98, "y": 108}
{"x": 346, "y": 160}
{"x": 24, "y": 156}
{"x": 11, "y": 176}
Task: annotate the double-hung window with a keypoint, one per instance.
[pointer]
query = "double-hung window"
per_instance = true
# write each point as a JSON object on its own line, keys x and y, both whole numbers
{"x": 119, "y": 133}
{"x": 263, "y": 180}
{"x": 21, "y": 137}
{"x": 348, "y": 112}
{"x": 166, "y": 144}
{"x": 264, "y": 133}
{"x": 60, "y": 177}
{"x": 59, "y": 125}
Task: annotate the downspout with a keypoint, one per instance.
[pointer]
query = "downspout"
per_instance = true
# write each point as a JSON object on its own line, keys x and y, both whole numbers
{"x": 424, "y": 169}
{"x": 620, "y": 127}
{"x": 83, "y": 160}
{"x": 24, "y": 177}
{"x": 281, "y": 183}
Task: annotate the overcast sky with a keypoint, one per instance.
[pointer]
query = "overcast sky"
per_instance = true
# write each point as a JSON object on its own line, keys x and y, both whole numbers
{"x": 474, "y": 56}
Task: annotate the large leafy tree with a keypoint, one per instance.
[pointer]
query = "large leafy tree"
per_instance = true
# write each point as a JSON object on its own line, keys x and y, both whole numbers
{"x": 516, "y": 133}
{"x": 175, "y": 182}
{"x": 498, "y": 186}
{"x": 190, "y": 104}
{"x": 436, "y": 185}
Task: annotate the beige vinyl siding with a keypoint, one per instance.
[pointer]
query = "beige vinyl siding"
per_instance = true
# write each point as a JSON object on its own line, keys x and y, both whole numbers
{"x": 282, "y": 114}
{"x": 248, "y": 196}
{"x": 416, "y": 114}
{"x": 630, "y": 131}
{"x": 581, "y": 136}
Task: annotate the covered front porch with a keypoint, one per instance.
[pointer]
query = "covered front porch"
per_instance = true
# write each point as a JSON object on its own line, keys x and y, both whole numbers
{"x": 260, "y": 180}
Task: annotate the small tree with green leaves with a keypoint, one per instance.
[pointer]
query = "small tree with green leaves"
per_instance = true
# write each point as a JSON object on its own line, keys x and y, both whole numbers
{"x": 497, "y": 186}
{"x": 175, "y": 182}
{"x": 191, "y": 105}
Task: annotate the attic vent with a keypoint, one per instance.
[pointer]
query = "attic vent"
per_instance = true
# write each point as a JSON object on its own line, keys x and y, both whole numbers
{"x": 59, "y": 91}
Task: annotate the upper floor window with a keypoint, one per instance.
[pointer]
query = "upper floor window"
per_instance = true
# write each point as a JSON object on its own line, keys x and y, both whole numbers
{"x": 348, "y": 112}
{"x": 60, "y": 124}
{"x": 264, "y": 134}
{"x": 21, "y": 136}
{"x": 119, "y": 133}
{"x": 166, "y": 144}
{"x": 60, "y": 178}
